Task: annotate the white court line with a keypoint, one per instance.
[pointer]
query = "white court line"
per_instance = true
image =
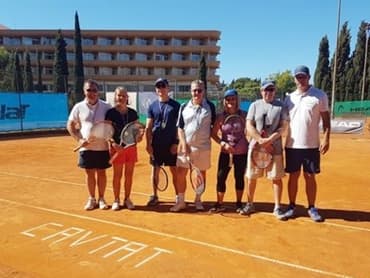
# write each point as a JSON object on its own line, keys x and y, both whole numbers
{"x": 180, "y": 238}
{"x": 145, "y": 194}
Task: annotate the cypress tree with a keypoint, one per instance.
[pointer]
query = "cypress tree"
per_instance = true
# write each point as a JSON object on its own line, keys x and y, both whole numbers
{"x": 39, "y": 73}
{"x": 18, "y": 79}
{"x": 202, "y": 74}
{"x": 322, "y": 71}
{"x": 28, "y": 77}
{"x": 342, "y": 59}
{"x": 60, "y": 64}
{"x": 8, "y": 83}
{"x": 78, "y": 65}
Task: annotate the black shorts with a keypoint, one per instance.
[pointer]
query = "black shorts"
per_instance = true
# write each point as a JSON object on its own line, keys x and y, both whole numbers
{"x": 308, "y": 158}
{"x": 163, "y": 156}
{"x": 94, "y": 160}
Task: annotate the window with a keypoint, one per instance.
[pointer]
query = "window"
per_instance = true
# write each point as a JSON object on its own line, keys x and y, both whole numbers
{"x": 12, "y": 41}
{"x": 140, "y": 57}
{"x": 178, "y": 42}
{"x": 178, "y": 57}
{"x": 195, "y": 57}
{"x": 124, "y": 42}
{"x": 88, "y": 56}
{"x": 161, "y": 42}
{"x": 48, "y": 70}
{"x": 104, "y": 56}
{"x": 89, "y": 71}
{"x": 161, "y": 57}
{"x": 70, "y": 56}
{"x": 123, "y": 57}
{"x": 195, "y": 42}
{"x": 87, "y": 42}
{"x": 48, "y": 56}
{"x": 104, "y": 41}
{"x": 105, "y": 71}
{"x": 184, "y": 88}
{"x": 123, "y": 71}
{"x": 159, "y": 71}
{"x": 26, "y": 41}
{"x": 69, "y": 41}
{"x": 47, "y": 41}
{"x": 141, "y": 41}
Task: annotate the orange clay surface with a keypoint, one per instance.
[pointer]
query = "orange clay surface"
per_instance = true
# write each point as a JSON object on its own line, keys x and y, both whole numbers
{"x": 44, "y": 231}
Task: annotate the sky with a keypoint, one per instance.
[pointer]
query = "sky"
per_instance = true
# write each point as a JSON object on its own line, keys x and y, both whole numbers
{"x": 258, "y": 37}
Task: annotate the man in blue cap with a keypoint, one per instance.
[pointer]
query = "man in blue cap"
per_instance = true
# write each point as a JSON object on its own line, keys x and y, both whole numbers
{"x": 306, "y": 106}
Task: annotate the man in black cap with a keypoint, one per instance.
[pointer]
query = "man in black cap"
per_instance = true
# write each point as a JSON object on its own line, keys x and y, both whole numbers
{"x": 161, "y": 135}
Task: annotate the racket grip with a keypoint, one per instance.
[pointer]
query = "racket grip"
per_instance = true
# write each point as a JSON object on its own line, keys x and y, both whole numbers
{"x": 230, "y": 160}
{"x": 113, "y": 158}
{"x": 77, "y": 148}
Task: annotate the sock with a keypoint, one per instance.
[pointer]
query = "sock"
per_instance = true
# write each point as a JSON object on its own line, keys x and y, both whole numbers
{"x": 197, "y": 198}
{"x": 181, "y": 197}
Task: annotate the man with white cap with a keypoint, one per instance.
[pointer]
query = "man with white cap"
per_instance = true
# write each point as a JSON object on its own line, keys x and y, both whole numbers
{"x": 307, "y": 106}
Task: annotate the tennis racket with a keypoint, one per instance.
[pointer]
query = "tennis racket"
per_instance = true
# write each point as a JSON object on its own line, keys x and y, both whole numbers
{"x": 131, "y": 134}
{"x": 99, "y": 131}
{"x": 196, "y": 178}
{"x": 236, "y": 125}
{"x": 161, "y": 183}
{"x": 261, "y": 156}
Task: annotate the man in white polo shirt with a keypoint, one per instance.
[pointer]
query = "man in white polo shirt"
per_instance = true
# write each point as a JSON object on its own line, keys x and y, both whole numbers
{"x": 194, "y": 131}
{"x": 307, "y": 106}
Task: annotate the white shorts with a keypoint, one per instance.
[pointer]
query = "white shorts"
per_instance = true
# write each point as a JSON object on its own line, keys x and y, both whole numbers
{"x": 273, "y": 172}
{"x": 200, "y": 158}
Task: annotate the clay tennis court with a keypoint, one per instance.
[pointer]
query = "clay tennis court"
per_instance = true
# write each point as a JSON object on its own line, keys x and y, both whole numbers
{"x": 44, "y": 231}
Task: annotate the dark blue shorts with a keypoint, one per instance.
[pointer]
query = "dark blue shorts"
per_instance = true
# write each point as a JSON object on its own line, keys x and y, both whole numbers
{"x": 94, "y": 159}
{"x": 163, "y": 156}
{"x": 308, "y": 158}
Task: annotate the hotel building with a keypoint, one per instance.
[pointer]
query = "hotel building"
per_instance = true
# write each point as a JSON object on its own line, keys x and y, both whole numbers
{"x": 132, "y": 58}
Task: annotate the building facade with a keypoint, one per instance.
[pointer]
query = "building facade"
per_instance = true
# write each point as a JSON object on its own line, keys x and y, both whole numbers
{"x": 130, "y": 58}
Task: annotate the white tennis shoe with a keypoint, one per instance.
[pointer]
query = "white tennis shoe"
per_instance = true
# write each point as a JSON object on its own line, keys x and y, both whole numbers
{"x": 91, "y": 204}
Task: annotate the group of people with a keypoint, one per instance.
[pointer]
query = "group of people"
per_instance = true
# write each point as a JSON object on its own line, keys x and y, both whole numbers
{"x": 175, "y": 134}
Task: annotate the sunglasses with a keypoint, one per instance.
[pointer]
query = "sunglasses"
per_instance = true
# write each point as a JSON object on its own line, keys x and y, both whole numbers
{"x": 270, "y": 89}
{"x": 300, "y": 76}
{"x": 160, "y": 85}
{"x": 197, "y": 91}
{"x": 91, "y": 90}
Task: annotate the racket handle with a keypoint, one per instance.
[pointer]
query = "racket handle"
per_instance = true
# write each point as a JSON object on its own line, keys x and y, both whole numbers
{"x": 77, "y": 148}
{"x": 230, "y": 160}
{"x": 113, "y": 158}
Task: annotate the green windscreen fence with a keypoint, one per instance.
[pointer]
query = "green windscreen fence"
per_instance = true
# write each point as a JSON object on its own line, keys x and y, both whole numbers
{"x": 355, "y": 108}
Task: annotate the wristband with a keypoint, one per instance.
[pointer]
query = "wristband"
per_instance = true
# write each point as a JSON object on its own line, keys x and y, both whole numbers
{"x": 222, "y": 143}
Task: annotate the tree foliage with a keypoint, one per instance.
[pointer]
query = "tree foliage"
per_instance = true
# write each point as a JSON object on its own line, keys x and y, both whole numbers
{"x": 342, "y": 59}
{"x": 284, "y": 83}
{"x": 247, "y": 88}
{"x": 60, "y": 73}
{"x": 4, "y": 59}
{"x": 18, "y": 76}
{"x": 28, "y": 77}
{"x": 202, "y": 74}
{"x": 77, "y": 94}
{"x": 322, "y": 72}
{"x": 39, "y": 73}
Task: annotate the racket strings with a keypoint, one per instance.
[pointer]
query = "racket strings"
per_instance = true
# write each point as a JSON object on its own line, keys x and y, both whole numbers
{"x": 196, "y": 179}
{"x": 162, "y": 181}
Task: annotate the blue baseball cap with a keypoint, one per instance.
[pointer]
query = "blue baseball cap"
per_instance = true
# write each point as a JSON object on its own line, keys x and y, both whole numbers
{"x": 161, "y": 80}
{"x": 230, "y": 92}
{"x": 302, "y": 70}
{"x": 267, "y": 83}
